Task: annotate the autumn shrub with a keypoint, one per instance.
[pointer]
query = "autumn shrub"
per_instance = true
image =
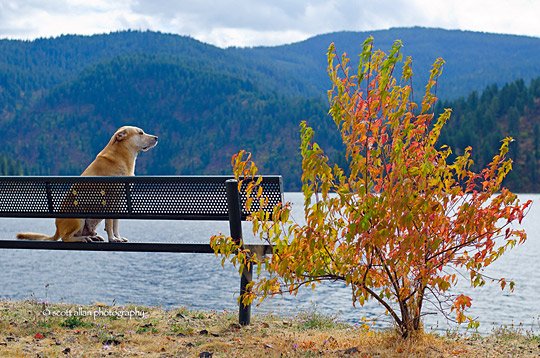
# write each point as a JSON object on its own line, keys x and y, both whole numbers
{"x": 403, "y": 214}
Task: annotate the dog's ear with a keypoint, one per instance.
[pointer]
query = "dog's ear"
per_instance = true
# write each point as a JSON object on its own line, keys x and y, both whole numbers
{"x": 120, "y": 136}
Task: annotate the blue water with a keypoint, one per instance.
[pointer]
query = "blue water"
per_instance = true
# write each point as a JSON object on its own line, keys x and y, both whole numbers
{"x": 198, "y": 281}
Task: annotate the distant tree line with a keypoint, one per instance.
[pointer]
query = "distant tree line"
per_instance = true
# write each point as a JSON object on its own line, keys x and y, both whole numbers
{"x": 9, "y": 166}
{"x": 483, "y": 120}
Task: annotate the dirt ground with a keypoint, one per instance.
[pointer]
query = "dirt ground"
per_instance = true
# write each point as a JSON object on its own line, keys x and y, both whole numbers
{"x": 34, "y": 329}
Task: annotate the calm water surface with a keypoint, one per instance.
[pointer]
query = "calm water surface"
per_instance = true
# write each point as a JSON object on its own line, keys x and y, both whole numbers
{"x": 198, "y": 281}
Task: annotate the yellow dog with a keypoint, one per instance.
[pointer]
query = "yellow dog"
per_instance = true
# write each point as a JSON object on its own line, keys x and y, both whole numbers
{"x": 116, "y": 159}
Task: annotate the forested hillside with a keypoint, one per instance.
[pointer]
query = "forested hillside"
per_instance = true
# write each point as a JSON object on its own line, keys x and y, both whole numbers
{"x": 61, "y": 99}
{"x": 473, "y": 60}
{"x": 201, "y": 117}
{"x": 482, "y": 120}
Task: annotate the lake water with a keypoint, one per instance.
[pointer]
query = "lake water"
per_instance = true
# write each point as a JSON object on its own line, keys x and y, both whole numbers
{"x": 198, "y": 281}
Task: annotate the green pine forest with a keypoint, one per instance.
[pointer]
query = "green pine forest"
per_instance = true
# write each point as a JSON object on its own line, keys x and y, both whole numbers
{"x": 62, "y": 98}
{"x": 481, "y": 120}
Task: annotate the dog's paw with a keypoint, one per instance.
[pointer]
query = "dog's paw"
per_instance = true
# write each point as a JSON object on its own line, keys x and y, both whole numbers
{"x": 96, "y": 238}
{"x": 119, "y": 238}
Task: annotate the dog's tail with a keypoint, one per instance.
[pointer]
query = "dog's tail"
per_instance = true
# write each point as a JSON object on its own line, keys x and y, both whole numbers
{"x": 36, "y": 236}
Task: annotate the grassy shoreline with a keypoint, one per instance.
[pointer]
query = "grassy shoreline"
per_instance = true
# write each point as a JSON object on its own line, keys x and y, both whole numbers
{"x": 30, "y": 328}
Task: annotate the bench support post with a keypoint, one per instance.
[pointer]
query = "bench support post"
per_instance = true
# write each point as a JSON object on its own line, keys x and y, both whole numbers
{"x": 235, "y": 226}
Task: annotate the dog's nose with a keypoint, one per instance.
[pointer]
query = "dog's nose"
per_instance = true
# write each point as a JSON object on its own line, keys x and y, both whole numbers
{"x": 155, "y": 138}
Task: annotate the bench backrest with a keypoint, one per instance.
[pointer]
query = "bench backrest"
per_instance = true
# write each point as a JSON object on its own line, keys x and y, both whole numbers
{"x": 138, "y": 197}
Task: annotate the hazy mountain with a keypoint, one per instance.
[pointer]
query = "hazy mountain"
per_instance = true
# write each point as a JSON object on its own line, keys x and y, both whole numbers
{"x": 474, "y": 60}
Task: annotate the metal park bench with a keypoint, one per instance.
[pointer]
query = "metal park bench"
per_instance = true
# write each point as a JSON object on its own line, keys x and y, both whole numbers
{"x": 141, "y": 197}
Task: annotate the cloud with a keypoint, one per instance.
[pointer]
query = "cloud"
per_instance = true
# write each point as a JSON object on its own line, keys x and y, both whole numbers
{"x": 224, "y": 22}
{"x": 248, "y": 22}
{"x": 518, "y": 17}
{"x": 32, "y": 18}
{"x": 260, "y": 22}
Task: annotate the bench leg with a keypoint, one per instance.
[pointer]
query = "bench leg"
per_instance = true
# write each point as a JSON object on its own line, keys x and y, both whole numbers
{"x": 244, "y": 314}
{"x": 235, "y": 225}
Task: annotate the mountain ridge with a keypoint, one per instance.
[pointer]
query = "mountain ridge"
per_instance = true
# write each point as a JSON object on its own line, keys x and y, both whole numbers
{"x": 63, "y": 97}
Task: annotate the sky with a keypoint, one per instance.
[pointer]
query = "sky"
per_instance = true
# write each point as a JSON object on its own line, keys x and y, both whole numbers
{"x": 243, "y": 23}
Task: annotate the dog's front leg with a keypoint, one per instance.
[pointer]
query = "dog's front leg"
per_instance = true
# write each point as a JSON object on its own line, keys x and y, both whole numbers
{"x": 111, "y": 227}
{"x": 116, "y": 232}
{"x": 89, "y": 229}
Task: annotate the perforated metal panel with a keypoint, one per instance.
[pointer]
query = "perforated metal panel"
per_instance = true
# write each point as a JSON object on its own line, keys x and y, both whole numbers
{"x": 272, "y": 189}
{"x": 103, "y": 197}
{"x": 17, "y": 196}
{"x": 156, "y": 197}
{"x": 189, "y": 198}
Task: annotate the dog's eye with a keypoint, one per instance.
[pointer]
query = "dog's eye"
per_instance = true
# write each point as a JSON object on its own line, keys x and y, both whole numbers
{"x": 141, "y": 132}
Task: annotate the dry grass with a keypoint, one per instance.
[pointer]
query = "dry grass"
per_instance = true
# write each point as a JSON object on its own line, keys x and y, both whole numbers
{"x": 26, "y": 332}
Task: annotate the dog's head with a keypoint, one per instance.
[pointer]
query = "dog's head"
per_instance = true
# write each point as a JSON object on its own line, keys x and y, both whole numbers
{"x": 135, "y": 139}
